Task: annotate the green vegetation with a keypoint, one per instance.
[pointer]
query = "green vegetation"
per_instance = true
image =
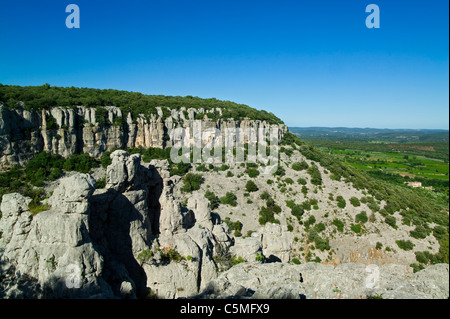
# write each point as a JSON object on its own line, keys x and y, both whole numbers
{"x": 44, "y": 167}
{"x": 340, "y": 201}
{"x": 234, "y": 226}
{"x": 228, "y": 199}
{"x": 213, "y": 199}
{"x": 267, "y": 213}
{"x": 191, "y": 182}
{"x": 417, "y": 206}
{"x": 339, "y": 224}
{"x": 251, "y": 186}
{"x": 316, "y": 177}
{"x": 298, "y": 166}
{"x": 46, "y": 96}
{"x": 320, "y": 243}
{"x": 405, "y": 244}
{"x": 361, "y": 217}
{"x": 355, "y": 201}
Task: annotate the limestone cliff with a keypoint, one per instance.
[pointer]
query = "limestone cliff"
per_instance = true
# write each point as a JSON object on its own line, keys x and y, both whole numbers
{"x": 68, "y": 131}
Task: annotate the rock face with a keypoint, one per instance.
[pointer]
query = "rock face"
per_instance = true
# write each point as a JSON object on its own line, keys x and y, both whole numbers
{"x": 318, "y": 281}
{"x": 106, "y": 243}
{"x": 53, "y": 246}
{"x": 68, "y": 131}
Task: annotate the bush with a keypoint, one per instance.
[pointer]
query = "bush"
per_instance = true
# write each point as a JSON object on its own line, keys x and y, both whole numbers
{"x": 361, "y": 217}
{"x": 339, "y": 224}
{"x": 265, "y": 195}
{"x": 201, "y": 168}
{"x": 355, "y": 201}
{"x": 289, "y": 181}
{"x": 251, "y": 186}
{"x": 297, "y": 211}
{"x": 105, "y": 160}
{"x": 82, "y": 163}
{"x": 228, "y": 199}
{"x": 213, "y": 199}
{"x": 311, "y": 220}
{"x": 280, "y": 171}
{"x": 356, "y": 228}
{"x": 341, "y": 201}
{"x": 420, "y": 232}
{"x": 304, "y": 190}
{"x": 391, "y": 221}
{"x": 296, "y": 261}
{"x": 299, "y": 166}
{"x": 316, "y": 177}
{"x": 320, "y": 243}
{"x": 301, "y": 181}
{"x": 191, "y": 182}
{"x": 266, "y": 215}
{"x": 405, "y": 245}
{"x": 252, "y": 172}
{"x": 319, "y": 227}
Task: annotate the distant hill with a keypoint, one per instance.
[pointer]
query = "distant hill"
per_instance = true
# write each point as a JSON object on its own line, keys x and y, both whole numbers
{"x": 371, "y": 134}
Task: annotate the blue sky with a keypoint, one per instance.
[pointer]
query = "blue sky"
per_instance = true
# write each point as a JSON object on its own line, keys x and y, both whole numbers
{"x": 312, "y": 63}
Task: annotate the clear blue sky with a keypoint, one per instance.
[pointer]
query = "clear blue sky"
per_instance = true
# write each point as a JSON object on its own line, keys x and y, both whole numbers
{"x": 312, "y": 63}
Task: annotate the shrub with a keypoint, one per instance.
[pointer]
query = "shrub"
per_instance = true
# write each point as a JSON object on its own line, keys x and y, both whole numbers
{"x": 105, "y": 160}
{"x": 361, "y": 217}
{"x": 391, "y": 221}
{"x": 420, "y": 232}
{"x": 405, "y": 245}
{"x": 311, "y": 220}
{"x": 339, "y": 224}
{"x": 355, "y": 201}
{"x": 297, "y": 211}
{"x": 320, "y": 243}
{"x": 169, "y": 254}
{"x": 236, "y": 226}
{"x": 213, "y": 200}
{"x": 316, "y": 177}
{"x": 201, "y": 168}
{"x": 82, "y": 163}
{"x": 298, "y": 166}
{"x": 304, "y": 190}
{"x": 265, "y": 195}
{"x": 266, "y": 215}
{"x": 319, "y": 227}
{"x": 191, "y": 182}
{"x": 228, "y": 199}
{"x": 356, "y": 228}
{"x": 251, "y": 186}
{"x": 341, "y": 201}
{"x": 289, "y": 180}
{"x": 301, "y": 181}
{"x": 296, "y": 261}
{"x": 252, "y": 172}
{"x": 280, "y": 171}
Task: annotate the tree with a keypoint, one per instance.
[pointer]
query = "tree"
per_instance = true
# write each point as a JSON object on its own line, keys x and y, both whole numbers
{"x": 229, "y": 199}
{"x": 251, "y": 186}
{"x": 213, "y": 199}
{"x": 191, "y": 182}
{"x": 298, "y": 166}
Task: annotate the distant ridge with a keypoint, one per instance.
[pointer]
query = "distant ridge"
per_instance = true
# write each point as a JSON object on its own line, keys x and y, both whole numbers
{"x": 365, "y": 134}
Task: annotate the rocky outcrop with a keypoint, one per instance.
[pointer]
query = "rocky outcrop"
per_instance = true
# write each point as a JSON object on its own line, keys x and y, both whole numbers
{"x": 119, "y": 242}
{"x": 53, "y": 247}
{"x": 273, "y": 242}
{"x": 68, "y": 131}
{"x": 319, "y": 281}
